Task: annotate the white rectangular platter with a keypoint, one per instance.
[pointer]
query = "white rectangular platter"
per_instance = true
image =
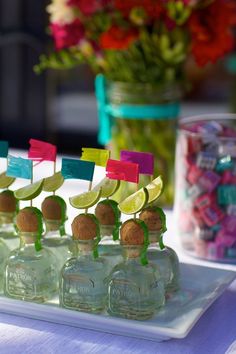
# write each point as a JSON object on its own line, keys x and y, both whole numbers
{"x": 200, "y": 287}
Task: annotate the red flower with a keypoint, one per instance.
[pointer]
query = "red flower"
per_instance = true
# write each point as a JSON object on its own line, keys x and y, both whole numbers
{"x": 67, "y": 35}
{"x": 88, "y": 7}
{"x": 211, "y": 31}
{"x": 118, "y": 38}
{"x": 152, "y": 7}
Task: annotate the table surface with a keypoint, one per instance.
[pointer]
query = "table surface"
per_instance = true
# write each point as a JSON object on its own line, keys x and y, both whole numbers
{"x": 213, "y": 333}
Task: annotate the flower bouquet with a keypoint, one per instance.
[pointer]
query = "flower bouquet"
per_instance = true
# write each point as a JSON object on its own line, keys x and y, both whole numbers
{"x": 139, "y": 48}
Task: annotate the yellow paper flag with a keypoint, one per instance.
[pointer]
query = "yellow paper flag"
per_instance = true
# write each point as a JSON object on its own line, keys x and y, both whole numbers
{"x": 98, "y": 156}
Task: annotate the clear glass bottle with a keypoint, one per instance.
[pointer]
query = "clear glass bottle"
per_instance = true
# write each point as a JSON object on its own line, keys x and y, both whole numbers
{"x": 135, "y": 289}
{"x": 62, "y": 246}
{"x": 167, "y": 262}
{"x": 31, "y": 272}
{"x": 55, "y": 237}
{"x": 8, "y": 208}
{"x": 109, "y": 247}
{"x": 164, "y": 257}
{"x": 8, "y": 232}
{"x": 9, "y": 239}
{"x": 31, "y": 275}
{"x": 4, "y": 253}
{"x": 82, "y": 283}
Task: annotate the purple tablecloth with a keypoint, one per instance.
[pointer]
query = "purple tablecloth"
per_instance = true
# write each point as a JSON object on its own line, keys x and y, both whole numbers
{"x": 214, "y": 333}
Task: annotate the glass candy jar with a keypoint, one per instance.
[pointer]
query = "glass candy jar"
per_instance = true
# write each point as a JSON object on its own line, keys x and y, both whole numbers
{"x": 31, "y": 272}
{"x": 205, "y": 200}
{"x": 82, "y": 284}
{"x": 163, "y": 256}
{"x": 135, "y": 289}
{"x": 55, "y": 237}
{"x": 109, "y": 247}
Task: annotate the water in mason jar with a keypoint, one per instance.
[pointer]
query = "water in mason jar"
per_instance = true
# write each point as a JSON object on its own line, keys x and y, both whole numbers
{"x": 31, "y": 275}
{"x": 135, "y": 291}
{"x": 82, "y": 285}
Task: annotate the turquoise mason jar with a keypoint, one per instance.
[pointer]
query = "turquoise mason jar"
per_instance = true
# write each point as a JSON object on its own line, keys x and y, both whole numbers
{"x": 140, "y": 117}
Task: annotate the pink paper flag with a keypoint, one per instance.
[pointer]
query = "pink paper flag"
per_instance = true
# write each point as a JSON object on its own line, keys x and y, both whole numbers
{"x": 42, "y": 151}
{"x": 145, "y": 160}
{"x": 122, "y": 170}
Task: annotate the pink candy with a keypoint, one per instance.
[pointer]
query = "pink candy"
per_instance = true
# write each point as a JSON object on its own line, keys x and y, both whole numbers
{"x": 194, "y": 174}
{"x": 209, "y": 181}
{"x": 204, "y": 201}
{"x": 212, "y": 215}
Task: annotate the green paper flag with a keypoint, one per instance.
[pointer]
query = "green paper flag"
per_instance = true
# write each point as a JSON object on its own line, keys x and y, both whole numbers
{"x": 77, "y": 169}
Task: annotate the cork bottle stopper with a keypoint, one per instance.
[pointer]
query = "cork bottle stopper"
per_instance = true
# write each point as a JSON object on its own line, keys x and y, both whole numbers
{"x": 152, "y": 219}
{"x": 27, "y": 220}
{"x": 52, "y": 208}
{"x": 105, "y": 214}
{"x": 131, "y": 233}
{"x": 8, "y": 202}
{"x": 84, "y": 227}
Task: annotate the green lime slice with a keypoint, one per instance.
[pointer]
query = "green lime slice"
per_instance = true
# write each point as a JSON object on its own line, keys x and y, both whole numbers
{"x": 54, "y": 182}
{"x": 154, "y": 189}
{"x": 30, "y": 191}
{"x": 85, "y": 200}
{"x": 108, "y": 186}
{"x": 5, "y": 181}
{"x": 135, "y": 202}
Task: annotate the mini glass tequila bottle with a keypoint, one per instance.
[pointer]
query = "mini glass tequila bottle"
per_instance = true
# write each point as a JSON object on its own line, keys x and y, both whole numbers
{"x": 8, "y": 208}
{"x": 82, "y": 285}
{"x": 109, "y": 247}
{"x": 31, "y": 272}
{"x": 8, "y": 236}
{"x": 135, "y": 289}
{"x": 55, "y": 237}
{"x": 163, "y": 256}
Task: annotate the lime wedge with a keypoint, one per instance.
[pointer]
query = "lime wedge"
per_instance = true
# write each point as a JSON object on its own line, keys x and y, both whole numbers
{"x": 5, "y": 181}
{"x": 154, "y": 189}
{"x": 108, "y": 186}
{"x": 54, "y": 182}
{"x": 85, "y": 200}
{"x": 30, "y": 191}
{"x": 135, "y": 202}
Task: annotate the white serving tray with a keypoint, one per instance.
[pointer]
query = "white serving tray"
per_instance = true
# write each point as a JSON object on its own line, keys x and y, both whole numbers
{"x": 200, "y": 287}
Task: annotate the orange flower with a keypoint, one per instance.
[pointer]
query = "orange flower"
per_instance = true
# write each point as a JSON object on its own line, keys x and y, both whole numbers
{"x": 211, "y": 31}
{"x": 118, "y": 38}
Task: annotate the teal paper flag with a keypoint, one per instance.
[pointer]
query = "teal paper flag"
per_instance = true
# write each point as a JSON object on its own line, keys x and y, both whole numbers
{"x": 78, "y": 169}
{"x": 3, "y": 148}
{"x": 19, "y": 167}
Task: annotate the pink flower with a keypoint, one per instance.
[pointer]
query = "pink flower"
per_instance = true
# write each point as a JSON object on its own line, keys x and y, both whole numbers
{"x": 67, "y": 35}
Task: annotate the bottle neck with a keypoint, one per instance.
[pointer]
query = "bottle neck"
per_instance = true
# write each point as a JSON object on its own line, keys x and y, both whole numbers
{"x": 154, "y": 237}
{"x": 53, "y": 225}
{"x": 132, "y": 252}
{"x": 106, "y": 230}
{"x": 85, "y": 247}
{"x": 27, "y": 238}
{"x": 6, "y": 218}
